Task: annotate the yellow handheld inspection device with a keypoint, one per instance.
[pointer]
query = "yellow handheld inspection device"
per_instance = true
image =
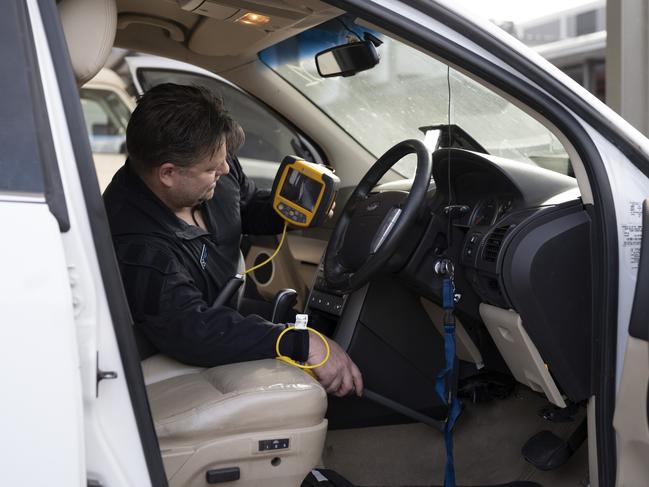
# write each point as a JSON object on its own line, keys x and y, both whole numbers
{"x": 303, "y": 192}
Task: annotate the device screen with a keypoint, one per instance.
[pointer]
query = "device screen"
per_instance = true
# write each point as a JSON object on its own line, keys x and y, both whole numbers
{"x": 301, "y": 189}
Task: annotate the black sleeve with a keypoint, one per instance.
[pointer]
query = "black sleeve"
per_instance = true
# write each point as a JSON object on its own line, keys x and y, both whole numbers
{"x": 257, "y": 214}
{"x": 170, "y": 311}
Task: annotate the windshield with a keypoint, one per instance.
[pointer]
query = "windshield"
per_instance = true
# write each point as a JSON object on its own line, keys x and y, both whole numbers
{"x": 408, "y": 90}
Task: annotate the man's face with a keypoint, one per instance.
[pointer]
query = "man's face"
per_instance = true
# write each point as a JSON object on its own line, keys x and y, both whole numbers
{"x": 195, "y": 184}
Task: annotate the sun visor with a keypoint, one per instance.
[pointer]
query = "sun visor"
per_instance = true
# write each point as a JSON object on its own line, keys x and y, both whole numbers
{"x": 218, "y": 38}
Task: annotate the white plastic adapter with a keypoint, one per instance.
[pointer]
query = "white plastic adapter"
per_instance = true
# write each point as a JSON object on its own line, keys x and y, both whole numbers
{"x": 301, "y": 321}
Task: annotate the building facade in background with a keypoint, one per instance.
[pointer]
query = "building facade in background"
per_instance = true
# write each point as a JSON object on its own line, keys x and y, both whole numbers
{"x": 574, "y": 40}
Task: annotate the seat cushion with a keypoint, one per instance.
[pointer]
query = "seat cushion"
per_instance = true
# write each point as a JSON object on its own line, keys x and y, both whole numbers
{"x": 238, "y": 398}
{"x": 159, "y": 367}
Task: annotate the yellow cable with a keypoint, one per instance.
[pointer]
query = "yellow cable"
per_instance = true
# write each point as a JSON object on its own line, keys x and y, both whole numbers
{"x": 274, "y": 254}
{"x": 289, "y": 360}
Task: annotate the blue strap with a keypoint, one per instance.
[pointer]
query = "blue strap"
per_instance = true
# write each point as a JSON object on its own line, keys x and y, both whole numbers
{"x": 444, "y": 386}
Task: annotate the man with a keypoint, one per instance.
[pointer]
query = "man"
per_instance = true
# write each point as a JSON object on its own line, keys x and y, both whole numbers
{"x": 177, "y": 210}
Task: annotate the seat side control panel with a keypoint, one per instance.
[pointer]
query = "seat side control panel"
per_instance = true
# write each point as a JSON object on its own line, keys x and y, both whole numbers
{"x": 270, "y": 445}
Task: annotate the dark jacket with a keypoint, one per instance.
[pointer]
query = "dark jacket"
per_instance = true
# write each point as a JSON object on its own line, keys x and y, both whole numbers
{"x": 173, "y": 272}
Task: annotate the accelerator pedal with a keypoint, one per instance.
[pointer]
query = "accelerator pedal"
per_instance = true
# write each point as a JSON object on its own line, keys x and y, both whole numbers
{"x": 546, "y": 451}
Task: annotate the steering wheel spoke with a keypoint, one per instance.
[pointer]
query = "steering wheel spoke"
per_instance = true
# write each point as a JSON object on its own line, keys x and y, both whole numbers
{"x": 388, "y": 223}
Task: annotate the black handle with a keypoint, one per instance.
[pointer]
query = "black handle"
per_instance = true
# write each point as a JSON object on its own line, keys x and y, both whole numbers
{"x": 230, "y": 288}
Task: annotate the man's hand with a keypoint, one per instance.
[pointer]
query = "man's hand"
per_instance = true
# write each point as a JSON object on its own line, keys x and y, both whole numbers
{"x": 339, "y": 376}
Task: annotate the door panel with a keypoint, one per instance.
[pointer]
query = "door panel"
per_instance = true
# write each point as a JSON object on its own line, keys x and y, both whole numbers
{"x": 631, "y": 416}
{"x": 280, "y": 273}
{"x": 631, "y": 412}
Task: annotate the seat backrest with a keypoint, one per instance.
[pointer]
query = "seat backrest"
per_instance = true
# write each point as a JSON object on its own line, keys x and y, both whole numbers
{"x": 89, "y": 27}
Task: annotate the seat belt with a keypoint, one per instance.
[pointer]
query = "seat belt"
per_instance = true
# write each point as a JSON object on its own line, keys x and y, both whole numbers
{"x": 445, "y": 384}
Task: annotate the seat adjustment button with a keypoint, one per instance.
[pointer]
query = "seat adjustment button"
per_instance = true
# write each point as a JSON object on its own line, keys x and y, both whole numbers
{"x": 278, "y": 444}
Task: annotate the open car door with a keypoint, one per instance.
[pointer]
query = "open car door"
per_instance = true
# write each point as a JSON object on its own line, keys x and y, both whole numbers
{"x": 632, "y": 407}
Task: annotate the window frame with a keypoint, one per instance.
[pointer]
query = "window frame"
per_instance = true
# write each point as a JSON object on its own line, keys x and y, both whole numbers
{"x": 51, "y": 191}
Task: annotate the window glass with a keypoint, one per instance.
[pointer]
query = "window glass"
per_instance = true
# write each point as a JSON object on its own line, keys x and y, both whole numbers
{"x": 586, "y": 22}
{"x": 267, "y": 137}
{"x": 407, "y": 91}
{"x": 20, "y": 145}
{"x": 106, "y": 117}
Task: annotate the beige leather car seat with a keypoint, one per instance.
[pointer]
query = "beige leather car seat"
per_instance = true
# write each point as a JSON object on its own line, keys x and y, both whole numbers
{"x": 260, "y": 421}
{"x": 89, "y": 27}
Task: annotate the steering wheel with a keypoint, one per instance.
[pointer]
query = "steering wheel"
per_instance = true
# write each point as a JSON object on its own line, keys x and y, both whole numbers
{"x": 372, "y": 226}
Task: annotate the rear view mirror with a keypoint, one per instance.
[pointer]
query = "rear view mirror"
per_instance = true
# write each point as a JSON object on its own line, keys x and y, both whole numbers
{"x": 347, "y": 59}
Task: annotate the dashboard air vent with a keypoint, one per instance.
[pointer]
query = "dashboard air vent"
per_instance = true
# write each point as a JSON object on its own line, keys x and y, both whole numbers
{"x": 493, "y": 243}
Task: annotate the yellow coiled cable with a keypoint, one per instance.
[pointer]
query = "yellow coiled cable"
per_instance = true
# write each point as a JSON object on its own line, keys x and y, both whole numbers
{"x": 289, "y": 360}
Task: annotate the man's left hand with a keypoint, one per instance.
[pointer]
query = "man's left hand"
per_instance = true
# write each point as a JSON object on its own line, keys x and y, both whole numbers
{"x": 339, "y": 375}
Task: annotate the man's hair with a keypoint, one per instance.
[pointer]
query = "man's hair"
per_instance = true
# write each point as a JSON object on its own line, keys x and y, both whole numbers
{"x": 179, "y": 124}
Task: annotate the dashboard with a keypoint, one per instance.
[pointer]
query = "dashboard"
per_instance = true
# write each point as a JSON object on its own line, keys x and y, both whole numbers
{"x": 503, "y": 196}
{"x": 490, "y": 209}
{"x": 520, "y": 242}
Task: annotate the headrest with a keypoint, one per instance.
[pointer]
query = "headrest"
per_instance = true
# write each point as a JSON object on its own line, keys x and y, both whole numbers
{"x": 89, "y": 27}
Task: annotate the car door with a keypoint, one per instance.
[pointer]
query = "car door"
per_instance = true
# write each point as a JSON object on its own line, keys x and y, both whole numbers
{"x": 632, "y": 406}
{"x": 269, "y": 138}
{"x": 611, "y": 162}
{"x": 41, "y": 415}
{"x": 74, "y": 403}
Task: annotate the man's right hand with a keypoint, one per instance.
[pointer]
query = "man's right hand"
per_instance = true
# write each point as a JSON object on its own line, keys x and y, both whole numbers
{"x": 340, "y": 375}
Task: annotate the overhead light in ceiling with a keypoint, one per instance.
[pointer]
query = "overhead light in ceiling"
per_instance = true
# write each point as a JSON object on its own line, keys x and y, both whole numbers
{"x": 252, "y": 18}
